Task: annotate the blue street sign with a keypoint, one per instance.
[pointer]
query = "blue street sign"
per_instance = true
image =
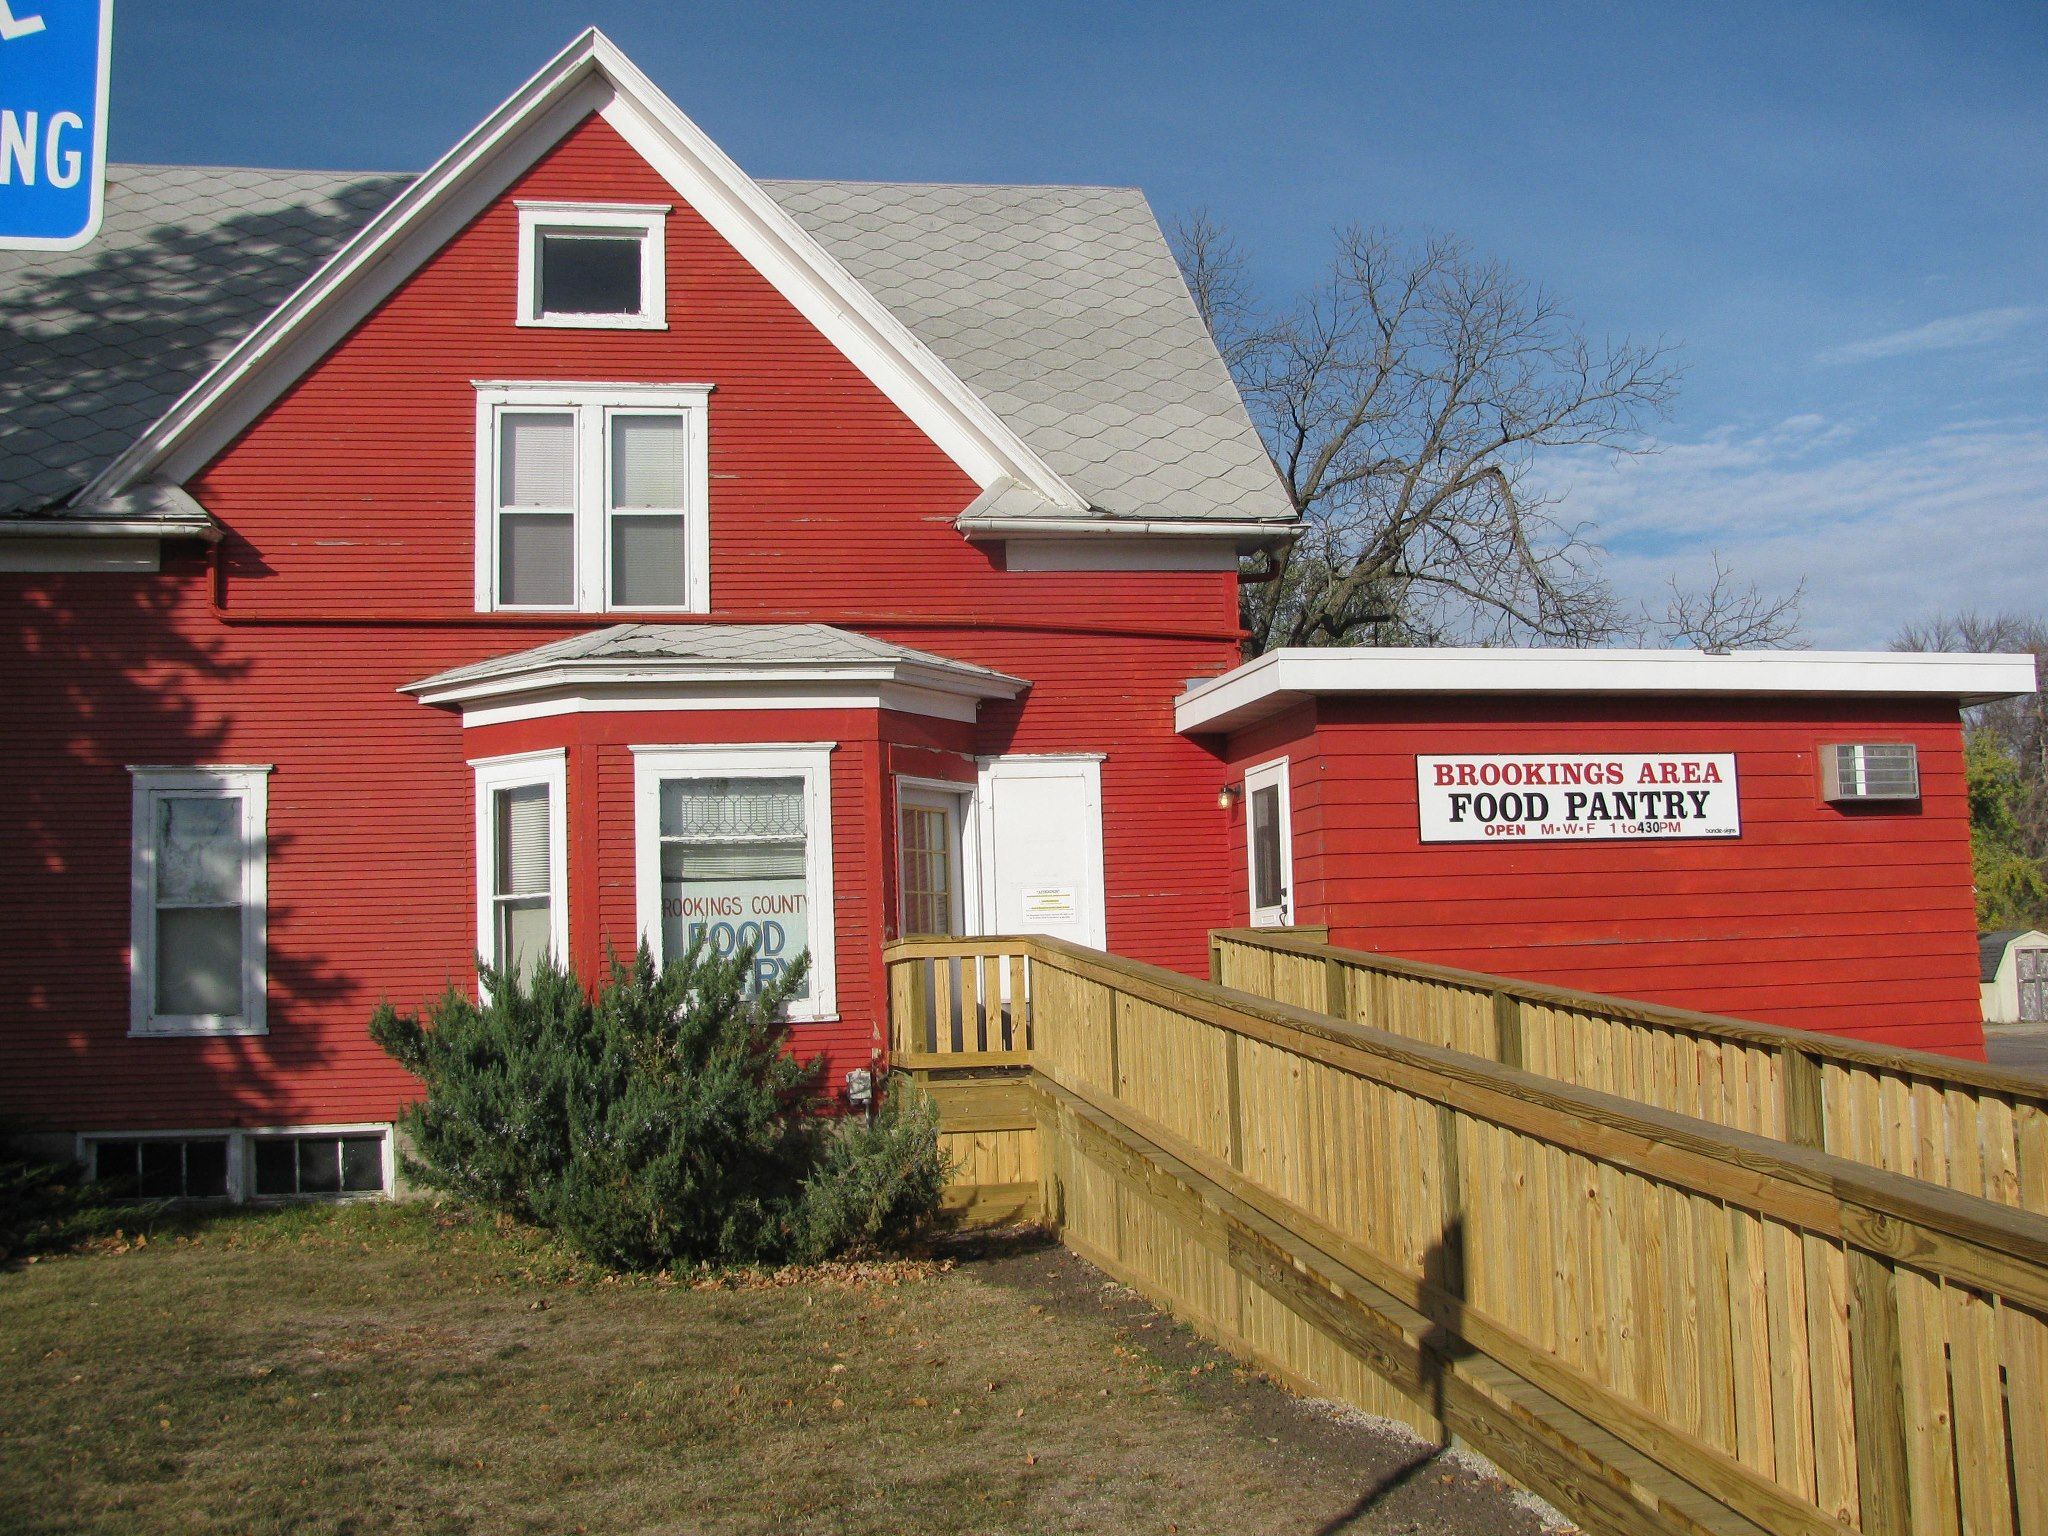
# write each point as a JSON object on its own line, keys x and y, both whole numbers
{"x": 53, "y": 121}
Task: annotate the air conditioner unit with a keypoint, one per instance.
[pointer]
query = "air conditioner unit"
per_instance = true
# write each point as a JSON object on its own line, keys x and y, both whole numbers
{"x": 1870, "y": 770}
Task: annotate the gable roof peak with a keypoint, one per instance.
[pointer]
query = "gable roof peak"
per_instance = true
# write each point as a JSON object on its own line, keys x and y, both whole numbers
{"x": 590, "y": 75}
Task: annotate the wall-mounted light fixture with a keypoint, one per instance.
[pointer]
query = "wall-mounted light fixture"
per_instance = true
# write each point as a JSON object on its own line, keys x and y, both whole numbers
{"x": 1228, "y": 796}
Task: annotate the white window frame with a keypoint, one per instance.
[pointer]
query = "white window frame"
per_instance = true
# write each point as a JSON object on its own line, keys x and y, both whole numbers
{"x": 592, "y": 407}
{"x": 646, "y": 222}
{"x": 522, "y": 770}
{"x": 1268, "y": 776}
{"x": 242, "y": 1161}
{"x": 811, "y": 761}
{"x": 964, "y": 802}
{"x": 150, "y": 784}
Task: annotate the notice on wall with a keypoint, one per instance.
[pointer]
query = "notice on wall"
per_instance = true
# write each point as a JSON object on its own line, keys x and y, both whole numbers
{"x": 1552, "y": 797}
{"x": 1050, "y": 903}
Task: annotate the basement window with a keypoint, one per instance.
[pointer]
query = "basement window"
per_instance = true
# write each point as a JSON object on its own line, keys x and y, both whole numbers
{"x": 163, "y": 1167}
{"x": 287, "y": 1167}
{"x": 597, "y": 266}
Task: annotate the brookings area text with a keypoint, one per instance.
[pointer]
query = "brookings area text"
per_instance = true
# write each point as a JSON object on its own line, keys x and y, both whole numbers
{"x": 1528, "y": 798}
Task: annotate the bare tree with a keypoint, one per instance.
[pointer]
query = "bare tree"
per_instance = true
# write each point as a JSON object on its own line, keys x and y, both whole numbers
{"x": 1404, "y": 401}
{"x": 1728, "y": 614}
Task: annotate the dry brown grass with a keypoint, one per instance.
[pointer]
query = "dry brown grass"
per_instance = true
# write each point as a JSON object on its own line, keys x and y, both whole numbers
{"x": 399, "y": 1369}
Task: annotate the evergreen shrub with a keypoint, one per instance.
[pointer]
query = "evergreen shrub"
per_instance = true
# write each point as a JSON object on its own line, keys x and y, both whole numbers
{"x": 662, "y": 1121}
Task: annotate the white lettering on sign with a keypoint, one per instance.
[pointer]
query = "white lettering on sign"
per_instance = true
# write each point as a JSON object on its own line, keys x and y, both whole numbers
{"x": 1049, "y": 903}
{"x": 1550, "y": 797}
{"x": 61, "y": 166}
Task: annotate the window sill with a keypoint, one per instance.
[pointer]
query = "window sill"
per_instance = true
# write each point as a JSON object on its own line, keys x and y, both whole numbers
{"x": 199, "y": 1032}
{"x": 595, "y": 322}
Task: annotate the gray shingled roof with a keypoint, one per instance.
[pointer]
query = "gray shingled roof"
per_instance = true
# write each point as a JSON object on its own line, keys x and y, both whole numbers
{"x": 769, "y": 647}
{"x": 95, "y": 344}
{"x": 1060, "y": 306}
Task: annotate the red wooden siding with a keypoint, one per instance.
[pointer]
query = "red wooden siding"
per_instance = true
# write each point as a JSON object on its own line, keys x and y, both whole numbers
{"x": 350, "y": 507}
{"x": 1854, "y": 921}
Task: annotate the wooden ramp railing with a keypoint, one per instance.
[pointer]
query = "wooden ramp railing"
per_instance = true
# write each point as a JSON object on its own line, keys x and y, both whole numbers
{"x": 1660, "y": 1324}
{"x": 1957, "y": 1123}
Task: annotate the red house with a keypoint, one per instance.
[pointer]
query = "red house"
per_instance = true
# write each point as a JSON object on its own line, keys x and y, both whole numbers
{"x": 582, "y": 543}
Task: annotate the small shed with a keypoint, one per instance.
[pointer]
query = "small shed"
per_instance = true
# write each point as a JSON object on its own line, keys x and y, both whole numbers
{"x": 2012, "y": 968}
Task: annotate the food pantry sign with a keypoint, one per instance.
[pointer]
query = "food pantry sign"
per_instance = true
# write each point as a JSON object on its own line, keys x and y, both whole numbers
{"x": 54, "y": 58}
{"x": 1580, "y": 796}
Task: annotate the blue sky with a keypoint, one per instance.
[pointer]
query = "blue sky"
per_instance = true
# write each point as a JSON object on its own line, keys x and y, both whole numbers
{"x": 1840, "y": 211}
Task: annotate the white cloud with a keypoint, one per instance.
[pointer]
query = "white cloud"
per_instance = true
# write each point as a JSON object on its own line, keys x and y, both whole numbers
{"x": 1977, "y": 328}
{"x": 1882, "y": 534}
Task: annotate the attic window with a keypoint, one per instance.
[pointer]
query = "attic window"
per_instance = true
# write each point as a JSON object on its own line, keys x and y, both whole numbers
{"x": 592, "y": 265}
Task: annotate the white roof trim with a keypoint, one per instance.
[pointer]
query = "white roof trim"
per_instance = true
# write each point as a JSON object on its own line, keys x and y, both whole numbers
{"x": 591, "y": 74}
{"x": 580, "y": 687}
{"x": 1279, "y": 679}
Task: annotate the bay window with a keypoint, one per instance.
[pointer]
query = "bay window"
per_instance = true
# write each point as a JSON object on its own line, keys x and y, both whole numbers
{"x": 592, "y": 497}
{"x": 198, "y": 894}
{"x": 521, "y": 839}
{"x": 734, "y": 851}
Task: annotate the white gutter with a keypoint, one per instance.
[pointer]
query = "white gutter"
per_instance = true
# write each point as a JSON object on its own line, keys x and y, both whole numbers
{"x": 1280, "y": 679}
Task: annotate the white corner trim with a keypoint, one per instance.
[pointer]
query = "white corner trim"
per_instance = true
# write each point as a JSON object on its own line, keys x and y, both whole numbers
{"x": 646, "y": 223}
{"x": 1280, "y": 679}
{"x": 811, "y": 761}
{"x": 593, "y": 405}
{"x": 521, "y": 770}
{"x": 150, "y": 783}
{"x": 591, "y": 74}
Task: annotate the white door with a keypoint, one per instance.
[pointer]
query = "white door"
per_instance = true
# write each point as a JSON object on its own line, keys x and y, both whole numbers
{"x": 1269, "y": 844}
{"x": 1041, "y": 841}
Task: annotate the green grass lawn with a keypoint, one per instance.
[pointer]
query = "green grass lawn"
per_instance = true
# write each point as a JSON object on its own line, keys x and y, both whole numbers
{"x": 397, "y": 1368}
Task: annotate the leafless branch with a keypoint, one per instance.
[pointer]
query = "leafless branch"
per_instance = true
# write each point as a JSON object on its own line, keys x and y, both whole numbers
{"x": 1404, "y": 401}
{"x": 1728, "y": 614}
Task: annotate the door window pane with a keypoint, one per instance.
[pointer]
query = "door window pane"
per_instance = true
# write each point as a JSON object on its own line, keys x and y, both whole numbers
{"x": 734, "y": 870}
{"x": 589, "y": 274}
{"x": 1266, "y": 847}
{"x": 927, "y": 841}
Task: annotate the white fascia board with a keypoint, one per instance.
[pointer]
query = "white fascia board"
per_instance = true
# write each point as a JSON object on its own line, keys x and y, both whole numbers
{"x": 1247, "y": 532}
{"x": 910, "y": 688}
{"x": 1281, "y": 678}
{"x": 590, "y": 75}
{"x": 71, "y": 526}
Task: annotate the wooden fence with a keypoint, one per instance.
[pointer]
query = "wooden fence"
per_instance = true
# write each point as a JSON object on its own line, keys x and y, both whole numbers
{"x": 1660, "y": 1324}
{"x": 1968, "y": 1126}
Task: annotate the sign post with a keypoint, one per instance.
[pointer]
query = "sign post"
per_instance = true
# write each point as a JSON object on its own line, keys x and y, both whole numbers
{"x": 54, "y": 58}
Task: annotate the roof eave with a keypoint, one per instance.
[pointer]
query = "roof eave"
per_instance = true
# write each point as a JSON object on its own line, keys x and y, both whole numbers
{"x": 602, "y": 676}
{"x": 1281, "y": 679}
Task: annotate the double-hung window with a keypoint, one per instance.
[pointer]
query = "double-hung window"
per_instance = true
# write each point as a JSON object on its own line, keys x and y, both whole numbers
{"x": 522, "y": 844}
{"x": 592, "y": 497}
{"x": 198, "y": 895}
{"x": 735, "y": 852}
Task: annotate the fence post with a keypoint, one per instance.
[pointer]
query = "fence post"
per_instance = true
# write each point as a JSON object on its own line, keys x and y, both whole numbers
{"x": 1507, "y": 1029}
{"x": 1806, "y": 1122}
{"x": 1336, "y": 995}
{"x": 1215, "y": 960}
{"x": 1232, "y": 1043}
{"x": 1878, "y": 1392}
